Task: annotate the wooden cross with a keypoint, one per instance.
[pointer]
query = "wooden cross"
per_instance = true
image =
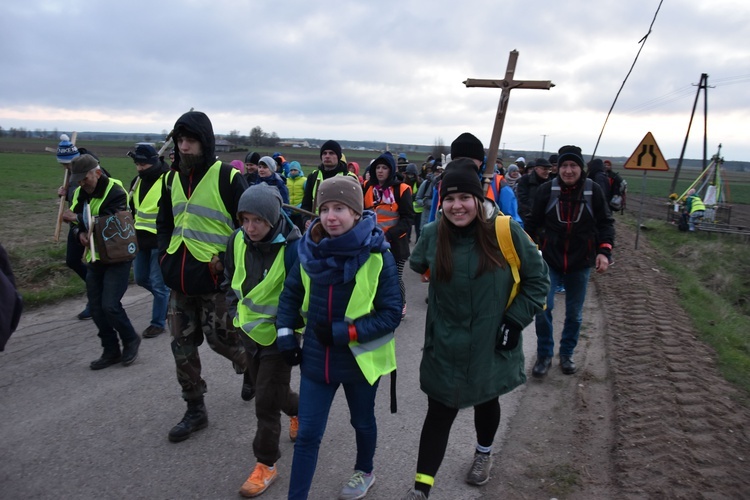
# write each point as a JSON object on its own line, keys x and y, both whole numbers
{"x": 507, "y": 84}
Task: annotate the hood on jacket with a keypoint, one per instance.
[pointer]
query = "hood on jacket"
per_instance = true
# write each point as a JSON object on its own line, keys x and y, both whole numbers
{"x": 384, "y": 159}
{"x": 196, "y": 124}
{"x": 355, "y": 165}
{"x": 595, "y": 166}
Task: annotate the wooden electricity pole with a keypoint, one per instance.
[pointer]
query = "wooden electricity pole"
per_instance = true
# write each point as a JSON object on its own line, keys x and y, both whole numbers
{"x": 507, "y": 84}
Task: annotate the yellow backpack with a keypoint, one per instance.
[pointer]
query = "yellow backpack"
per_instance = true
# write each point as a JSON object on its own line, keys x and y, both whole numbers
{"x": 505, "y": 241}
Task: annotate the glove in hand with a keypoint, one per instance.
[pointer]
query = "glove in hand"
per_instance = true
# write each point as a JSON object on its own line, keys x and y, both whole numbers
{"x": 507, "y": 337}
{"x": 292, "y": 357}
{"x": 324, "y": 333}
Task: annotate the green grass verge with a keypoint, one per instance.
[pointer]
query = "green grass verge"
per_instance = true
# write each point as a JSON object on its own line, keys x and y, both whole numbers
{"x": 714, "y": 294}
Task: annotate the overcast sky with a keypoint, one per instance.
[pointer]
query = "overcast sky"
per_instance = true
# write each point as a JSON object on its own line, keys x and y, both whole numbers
{"x": 386, "y": 70}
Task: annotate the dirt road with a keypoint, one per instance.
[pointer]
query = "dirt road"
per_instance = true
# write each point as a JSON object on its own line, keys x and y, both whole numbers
{"x": 646, "y": 416}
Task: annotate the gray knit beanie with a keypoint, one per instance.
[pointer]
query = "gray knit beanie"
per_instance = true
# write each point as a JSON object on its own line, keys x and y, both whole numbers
{"x": 261, "y": 200}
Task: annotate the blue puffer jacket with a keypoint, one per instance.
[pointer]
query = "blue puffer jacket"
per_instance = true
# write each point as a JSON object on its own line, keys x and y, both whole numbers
{"x": 332, "y": 264}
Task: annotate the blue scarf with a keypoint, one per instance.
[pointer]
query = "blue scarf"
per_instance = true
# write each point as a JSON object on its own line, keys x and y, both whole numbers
{"x": 334, "y": 261}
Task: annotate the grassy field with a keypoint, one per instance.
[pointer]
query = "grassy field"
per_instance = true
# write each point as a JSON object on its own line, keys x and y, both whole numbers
{"x": 658, "y": 183}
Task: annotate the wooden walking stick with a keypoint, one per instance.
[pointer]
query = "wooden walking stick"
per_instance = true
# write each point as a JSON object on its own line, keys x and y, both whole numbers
{"x": 61, "y": 208}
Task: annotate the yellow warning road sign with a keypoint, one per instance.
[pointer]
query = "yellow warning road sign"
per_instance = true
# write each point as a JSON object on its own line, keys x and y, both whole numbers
{"x": 647, "y": 156}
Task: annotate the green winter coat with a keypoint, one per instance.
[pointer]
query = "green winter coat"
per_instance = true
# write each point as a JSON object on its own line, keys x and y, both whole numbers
{"x": 460, "y": 366}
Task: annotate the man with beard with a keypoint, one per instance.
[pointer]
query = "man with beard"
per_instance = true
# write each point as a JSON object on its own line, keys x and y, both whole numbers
{"x": 196, "y": 217}
{"x": 105, "y": 283}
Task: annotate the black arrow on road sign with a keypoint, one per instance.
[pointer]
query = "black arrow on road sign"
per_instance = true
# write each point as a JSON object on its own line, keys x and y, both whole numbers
{"x": 650, "y": 148}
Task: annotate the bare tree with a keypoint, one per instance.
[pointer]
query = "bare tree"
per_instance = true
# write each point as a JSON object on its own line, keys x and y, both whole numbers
{"x": 256, "y": 137}
{"x": 439, "y": 148}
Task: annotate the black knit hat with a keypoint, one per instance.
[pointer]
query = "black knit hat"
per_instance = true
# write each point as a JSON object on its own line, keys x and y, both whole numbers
{"x": 467, "y": 145}
{"x": 253, "y": 158}
{"x": 570, "y": 153}
{"x": 461, "y": 177}
{"x": 333, "y": 146}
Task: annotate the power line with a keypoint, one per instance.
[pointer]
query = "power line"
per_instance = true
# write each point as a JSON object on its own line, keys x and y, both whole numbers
{"x": 642, "y": 42}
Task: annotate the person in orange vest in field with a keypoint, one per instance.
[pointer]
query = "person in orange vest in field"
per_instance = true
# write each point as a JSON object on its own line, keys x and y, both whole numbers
{"x": 391, "y": 200}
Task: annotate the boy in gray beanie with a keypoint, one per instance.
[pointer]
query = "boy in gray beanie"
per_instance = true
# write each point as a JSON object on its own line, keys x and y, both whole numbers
{"x": 259, "y": 256}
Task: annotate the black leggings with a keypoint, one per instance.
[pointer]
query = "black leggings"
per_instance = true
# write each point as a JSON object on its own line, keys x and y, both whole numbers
{"x": 437, "y": 428}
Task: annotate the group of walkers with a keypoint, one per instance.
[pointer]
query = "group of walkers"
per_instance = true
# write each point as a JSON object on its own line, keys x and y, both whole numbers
{"x": 275, "y": 272}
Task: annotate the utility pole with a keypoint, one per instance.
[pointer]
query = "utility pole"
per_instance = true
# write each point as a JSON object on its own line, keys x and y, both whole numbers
{"x": 702, "y": 85}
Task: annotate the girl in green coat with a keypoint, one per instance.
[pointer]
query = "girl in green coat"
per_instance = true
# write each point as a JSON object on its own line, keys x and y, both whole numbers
{"x": 473, "y": 352}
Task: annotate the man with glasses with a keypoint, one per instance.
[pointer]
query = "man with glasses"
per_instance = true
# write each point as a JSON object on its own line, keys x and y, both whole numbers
{"x": 527, "y": 186}
{"x": 572, "y": 224}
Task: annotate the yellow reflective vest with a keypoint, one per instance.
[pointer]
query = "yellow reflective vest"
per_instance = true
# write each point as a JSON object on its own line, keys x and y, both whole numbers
{"x": 377, "y": 357}
{"x": 146, "y": 210}
{"x": 94, "y": 205}
{"x": 256, "y": 311}
{"x": 202, "y": 222}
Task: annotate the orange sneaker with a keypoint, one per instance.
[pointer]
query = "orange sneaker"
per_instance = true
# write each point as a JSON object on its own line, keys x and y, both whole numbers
{"x": 293, "y": 428}
{"x": 259, "y": 481}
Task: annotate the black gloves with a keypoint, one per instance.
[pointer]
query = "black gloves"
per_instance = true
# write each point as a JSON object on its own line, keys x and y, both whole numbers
{"x": 292, "y": 357}
{"x": 507, "y": 336}
{"x": 324, "y": 333}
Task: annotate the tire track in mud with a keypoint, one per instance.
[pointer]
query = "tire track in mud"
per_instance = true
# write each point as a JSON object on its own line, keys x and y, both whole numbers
{"x": 679, "y": 431}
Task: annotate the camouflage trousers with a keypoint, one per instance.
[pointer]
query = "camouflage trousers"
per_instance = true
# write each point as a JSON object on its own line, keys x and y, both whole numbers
{"x": 191, "y": 319}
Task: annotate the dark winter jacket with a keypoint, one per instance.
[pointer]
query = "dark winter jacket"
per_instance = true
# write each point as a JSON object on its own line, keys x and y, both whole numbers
{"x": 395, "y": 235}
{"x": 598, "y": 174}
{"x": 182, "y": 271}
{"x": 332, "y": 264}
{"x": 526, "y": 188}
{"x": 460, "y": 366}
{"x": 569, "y": 235}
{"x": 146, "y": 178}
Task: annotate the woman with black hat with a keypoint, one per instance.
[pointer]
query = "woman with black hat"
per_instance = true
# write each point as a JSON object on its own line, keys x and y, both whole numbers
{"x": 473, "y": 351}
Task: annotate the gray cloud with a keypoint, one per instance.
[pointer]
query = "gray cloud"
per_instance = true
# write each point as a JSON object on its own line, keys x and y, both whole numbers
{"x": 388, "y": 70}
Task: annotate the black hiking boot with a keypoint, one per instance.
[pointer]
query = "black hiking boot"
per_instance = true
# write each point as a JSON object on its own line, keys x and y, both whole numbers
{"x": 195, "y": 419}
{"x": 106, "y": 359}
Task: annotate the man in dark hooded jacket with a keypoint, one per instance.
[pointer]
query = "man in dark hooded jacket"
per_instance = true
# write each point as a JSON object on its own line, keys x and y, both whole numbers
{"x": 196, "y": 217}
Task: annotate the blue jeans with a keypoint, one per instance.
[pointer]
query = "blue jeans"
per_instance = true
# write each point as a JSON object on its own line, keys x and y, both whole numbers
{"x": 575, "y": 284}
{"x": 105, "y": 286}
{"x": 147, "y": 274}
{"x": 315, "y": 400}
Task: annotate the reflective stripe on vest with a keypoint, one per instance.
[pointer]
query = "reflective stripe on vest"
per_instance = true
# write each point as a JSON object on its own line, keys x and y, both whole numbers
{"x": 377, "y": 357}
{"x": 201, "y": 222}
{"x": 146, "y": 210}
{"x": 95, "y": 204}
{"x": 256, "y": 312}
{"x": 387, "y": 213}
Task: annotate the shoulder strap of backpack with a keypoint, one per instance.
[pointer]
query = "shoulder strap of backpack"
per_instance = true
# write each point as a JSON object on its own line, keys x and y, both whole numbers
{"x": 505, "y": 241}
{"x": 554, "y": 195}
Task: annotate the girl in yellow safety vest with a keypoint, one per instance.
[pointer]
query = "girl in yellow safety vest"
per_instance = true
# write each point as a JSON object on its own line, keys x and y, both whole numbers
{"x": 347, "y": 289}
{"x": 258, "y": 258}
